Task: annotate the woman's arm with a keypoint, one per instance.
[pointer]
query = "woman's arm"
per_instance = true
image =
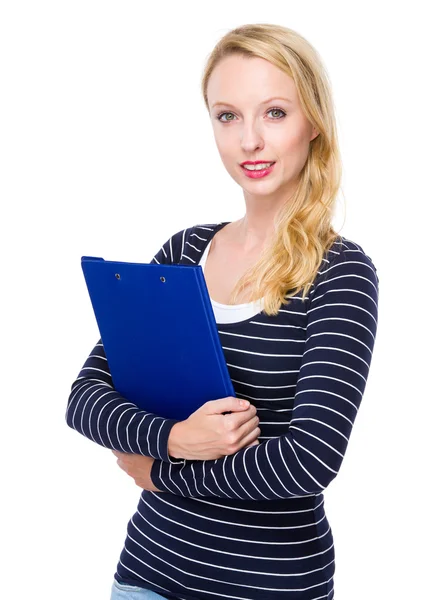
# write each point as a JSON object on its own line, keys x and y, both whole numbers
{"x": 97, "y": 411}
{"x": 341, "y": 330}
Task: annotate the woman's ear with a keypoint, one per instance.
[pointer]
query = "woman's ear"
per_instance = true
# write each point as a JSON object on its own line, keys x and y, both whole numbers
{"x": 315, "y": 133}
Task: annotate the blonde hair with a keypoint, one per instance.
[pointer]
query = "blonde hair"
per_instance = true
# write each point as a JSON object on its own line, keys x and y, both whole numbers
{"x": 303, "y": 229}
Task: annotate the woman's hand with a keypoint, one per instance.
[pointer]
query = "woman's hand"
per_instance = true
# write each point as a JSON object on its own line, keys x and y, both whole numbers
{"x": 217, "y": 429}
{"x": 138, "y": 467}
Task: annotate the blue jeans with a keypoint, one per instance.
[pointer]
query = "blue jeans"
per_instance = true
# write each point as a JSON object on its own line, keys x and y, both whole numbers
{"x": 123, "y": 591}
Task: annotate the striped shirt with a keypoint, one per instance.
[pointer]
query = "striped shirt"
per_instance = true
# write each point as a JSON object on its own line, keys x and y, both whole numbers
{"x": 249, "y": 526}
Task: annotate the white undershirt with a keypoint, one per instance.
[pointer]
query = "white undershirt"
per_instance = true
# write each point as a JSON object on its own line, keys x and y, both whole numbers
{"x": 231, "y": 313}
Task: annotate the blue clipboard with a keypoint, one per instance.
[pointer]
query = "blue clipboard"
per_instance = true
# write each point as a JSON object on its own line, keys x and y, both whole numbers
{"x": 159, "y": 333}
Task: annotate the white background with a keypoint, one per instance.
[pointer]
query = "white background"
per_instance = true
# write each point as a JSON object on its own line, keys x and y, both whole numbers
{"x": 107, "y": 149}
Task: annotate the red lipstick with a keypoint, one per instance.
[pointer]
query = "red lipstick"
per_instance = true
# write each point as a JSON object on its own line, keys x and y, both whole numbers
{"x": 258, "y": 173}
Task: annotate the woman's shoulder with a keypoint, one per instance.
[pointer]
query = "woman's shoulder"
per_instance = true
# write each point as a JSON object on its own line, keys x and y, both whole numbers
{"x": 183, "y": 245}
{"x": 200, "y": 231}
{"x": 348, "y": 253}
{"x": 204, "y": 229}
{"x": 350, "y": 250}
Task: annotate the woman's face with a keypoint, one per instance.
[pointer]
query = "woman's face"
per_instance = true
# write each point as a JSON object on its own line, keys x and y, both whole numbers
{"x": 248, "y": 128}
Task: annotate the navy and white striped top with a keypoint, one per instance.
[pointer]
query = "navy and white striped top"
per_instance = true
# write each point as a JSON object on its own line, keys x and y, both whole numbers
{"x": 250, "y": 526}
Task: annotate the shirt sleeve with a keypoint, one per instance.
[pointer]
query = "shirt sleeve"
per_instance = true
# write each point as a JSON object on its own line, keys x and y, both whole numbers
{"x": 341, "y": 330}
{"x": 98, "y": 412}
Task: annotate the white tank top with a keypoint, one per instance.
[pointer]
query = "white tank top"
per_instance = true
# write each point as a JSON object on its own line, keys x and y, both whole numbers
{"x": 231, "y": 313}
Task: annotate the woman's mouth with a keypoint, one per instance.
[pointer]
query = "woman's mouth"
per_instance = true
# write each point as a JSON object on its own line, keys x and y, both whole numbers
{"x": 257, "y": 171}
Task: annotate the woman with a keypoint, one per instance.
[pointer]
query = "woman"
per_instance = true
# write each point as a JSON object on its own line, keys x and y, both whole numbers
{"x": 232, "y": 504}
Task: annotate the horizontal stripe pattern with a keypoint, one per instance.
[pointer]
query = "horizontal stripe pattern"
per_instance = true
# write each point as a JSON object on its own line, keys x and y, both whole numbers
{"x": 101, "y": 414}
{"x": 252, "y": 525}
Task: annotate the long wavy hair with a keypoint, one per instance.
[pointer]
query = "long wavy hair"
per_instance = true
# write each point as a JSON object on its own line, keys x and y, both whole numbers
{"x": 303, "y": 230}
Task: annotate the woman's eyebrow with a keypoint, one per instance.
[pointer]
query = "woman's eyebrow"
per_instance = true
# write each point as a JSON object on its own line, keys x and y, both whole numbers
{"x": 261, "y": 104}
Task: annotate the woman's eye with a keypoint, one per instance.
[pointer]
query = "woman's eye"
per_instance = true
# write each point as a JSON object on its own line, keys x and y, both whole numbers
{"x": 270, "y": 110}
{"x": 277, "y": 110}
{"x": 222, "y": 115}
